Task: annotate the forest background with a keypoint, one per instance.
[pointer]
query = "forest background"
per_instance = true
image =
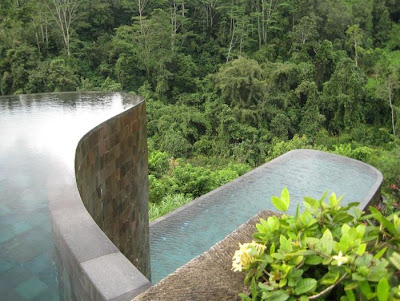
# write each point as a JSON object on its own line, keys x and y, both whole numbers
{"x": 229, "y": 84}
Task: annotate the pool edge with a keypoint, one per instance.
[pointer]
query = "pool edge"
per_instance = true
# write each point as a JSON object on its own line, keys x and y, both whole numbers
{"x": 90, "y": 266}
{"x": 372, "y": 197}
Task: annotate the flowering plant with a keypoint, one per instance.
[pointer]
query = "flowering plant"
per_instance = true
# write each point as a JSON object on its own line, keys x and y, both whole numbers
{"x": 328, "y": 252}
{"x": 246, "y": 255}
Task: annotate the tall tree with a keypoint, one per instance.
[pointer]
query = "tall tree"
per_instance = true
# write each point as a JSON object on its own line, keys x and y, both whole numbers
{"x": 343, "y": 95}
{"x": 64, "y": 13}
{"x": 388, "y": 85}
{"x": 355, "y": 35}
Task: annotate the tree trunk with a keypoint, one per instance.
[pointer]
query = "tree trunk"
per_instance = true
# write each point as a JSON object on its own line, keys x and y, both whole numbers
{"x": 64, "y": 13}
{"x": 390, "y": 98}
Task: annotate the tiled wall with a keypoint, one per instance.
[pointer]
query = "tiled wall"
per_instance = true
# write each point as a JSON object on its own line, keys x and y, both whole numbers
{"x": 111, "y": 173}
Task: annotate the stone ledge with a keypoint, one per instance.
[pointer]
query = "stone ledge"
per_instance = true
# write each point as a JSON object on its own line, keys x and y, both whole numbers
{"x": 209, "y": 275}
{"x": 116, "y": 273}
{"x": 90, "y": 266}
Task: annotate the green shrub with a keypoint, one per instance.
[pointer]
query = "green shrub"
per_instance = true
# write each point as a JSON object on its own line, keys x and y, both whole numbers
{"x": 192, "y": 180}
{"x": 158, "y": 188}
{"x": 297, "y": 142}
{"x": 324, "y": 138}
{"x": 361, "y": 153}
{"x": 110, "y": 85}
{"x": 167, "y": 204}
{"x": 158, "y": 163}
{"x": 388, "y": 162}
{"x": 224, "y": 176}
{"x": 327, "y": 252}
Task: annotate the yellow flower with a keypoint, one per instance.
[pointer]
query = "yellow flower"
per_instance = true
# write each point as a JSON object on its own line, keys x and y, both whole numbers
{"x": 246, "y": 255}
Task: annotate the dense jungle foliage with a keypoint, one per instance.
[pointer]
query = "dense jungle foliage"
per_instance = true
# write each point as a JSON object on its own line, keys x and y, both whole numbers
{"x": 229, "y": 84}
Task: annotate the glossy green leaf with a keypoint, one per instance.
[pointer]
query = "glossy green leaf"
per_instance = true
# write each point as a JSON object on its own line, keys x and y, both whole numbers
{"x": 377, "y": 273}
{"x": 324, "y": 196}
{"x": 326, "y": 242}
{"x": 345, "y": 229}
{"x": 351, "y": 285}
{"x": 305, "y": 285}
{"x": 244, "y": 297}
{"x": 395, "y": 260}
{"x": 365, "y": 288}
{"x": 383, "y": 289}
{"x": 333, "y": 200}
{"x": 357, "y": 277}
{"x": 278, "y": 296}
{"x": 364, "y": 260}
{"x": 361, "y": 249}
{"x": 380, "y": 253}
{"x": 272, "y": 249}
{"x": 285, "y": 196}
{"x": 330, "y": 278}
{"x": 312, "y": 242}
{"x": 313, "y": 260}
{"x": 285, "y": 244}
{"x": 283, "y": 202}
{"x": 265, "y": 287}
{"x": 350, "y": 295}
{"x": 303, "y": 253}
{"x": 360, "y": 231}
{"x": 296, "y": 273}
{"x": 278, "y": 203}
{"x": 311, "y": 202}
{"x": 342, "y": 217}
{"x": 383, "y": 220}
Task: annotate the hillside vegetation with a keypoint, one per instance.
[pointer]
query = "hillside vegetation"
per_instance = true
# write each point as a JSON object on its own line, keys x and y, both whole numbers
{"x": 229, "y": 84}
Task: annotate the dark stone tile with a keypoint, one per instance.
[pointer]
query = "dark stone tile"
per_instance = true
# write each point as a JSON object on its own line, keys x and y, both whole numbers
{"x": 30, "y": 288}
{"x": 13, "y": 277}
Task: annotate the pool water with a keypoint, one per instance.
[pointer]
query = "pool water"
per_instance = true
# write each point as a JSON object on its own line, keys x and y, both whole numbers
{"x": 39, "y": 133}
{"x": 181, "y": 236}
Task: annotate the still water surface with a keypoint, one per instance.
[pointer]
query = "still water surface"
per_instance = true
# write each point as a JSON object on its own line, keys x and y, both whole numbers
{"x": 39, "y": 133}
{"x": 181, "y": 237}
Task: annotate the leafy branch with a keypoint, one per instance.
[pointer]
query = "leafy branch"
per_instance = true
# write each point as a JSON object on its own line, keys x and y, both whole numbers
{"x": 326, "y": 252}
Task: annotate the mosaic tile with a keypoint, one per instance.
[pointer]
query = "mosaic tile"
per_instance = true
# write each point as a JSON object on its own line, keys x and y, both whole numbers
{"x": 5, "y": 265}
{"x": 49, "y": 275}
{"x": 5, "y": 234}
{"x": 4, "y": 210}
{"x": 20, "y": 227}
{"x": 39, "y": 218}
{"x": 48, "y": 295}
{"x": 10, "y": 219}
{"x": 26, "y": 246}
{"x": 8, "y": 294}
{"x": 13, "y": 277}
{"x": 39, "y": 263}
{"x": 30, "y": 288}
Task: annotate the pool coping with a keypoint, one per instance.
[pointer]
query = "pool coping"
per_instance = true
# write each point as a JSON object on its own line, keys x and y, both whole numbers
{"x": 83, "y": 251}
{"x": 209, "y": 275}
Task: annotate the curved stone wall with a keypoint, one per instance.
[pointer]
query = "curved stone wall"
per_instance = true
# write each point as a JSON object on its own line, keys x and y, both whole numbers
{"x": 111, "y": 182}
{"x": 111, "y": 174}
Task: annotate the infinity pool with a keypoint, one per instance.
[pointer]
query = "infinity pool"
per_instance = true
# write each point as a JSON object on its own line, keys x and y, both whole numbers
{"x": 182, "y": 235}
{"x": 39, "y": 134}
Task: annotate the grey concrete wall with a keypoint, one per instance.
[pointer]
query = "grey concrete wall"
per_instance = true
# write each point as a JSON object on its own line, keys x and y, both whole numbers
{"x": 111, "y": 182}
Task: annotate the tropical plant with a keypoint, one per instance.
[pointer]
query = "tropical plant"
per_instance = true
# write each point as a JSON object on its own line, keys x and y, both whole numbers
{"x": 327, "y": 252}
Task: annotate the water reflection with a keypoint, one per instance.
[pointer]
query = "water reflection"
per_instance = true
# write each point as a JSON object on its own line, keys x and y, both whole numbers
{"x": 38, "y": 136}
